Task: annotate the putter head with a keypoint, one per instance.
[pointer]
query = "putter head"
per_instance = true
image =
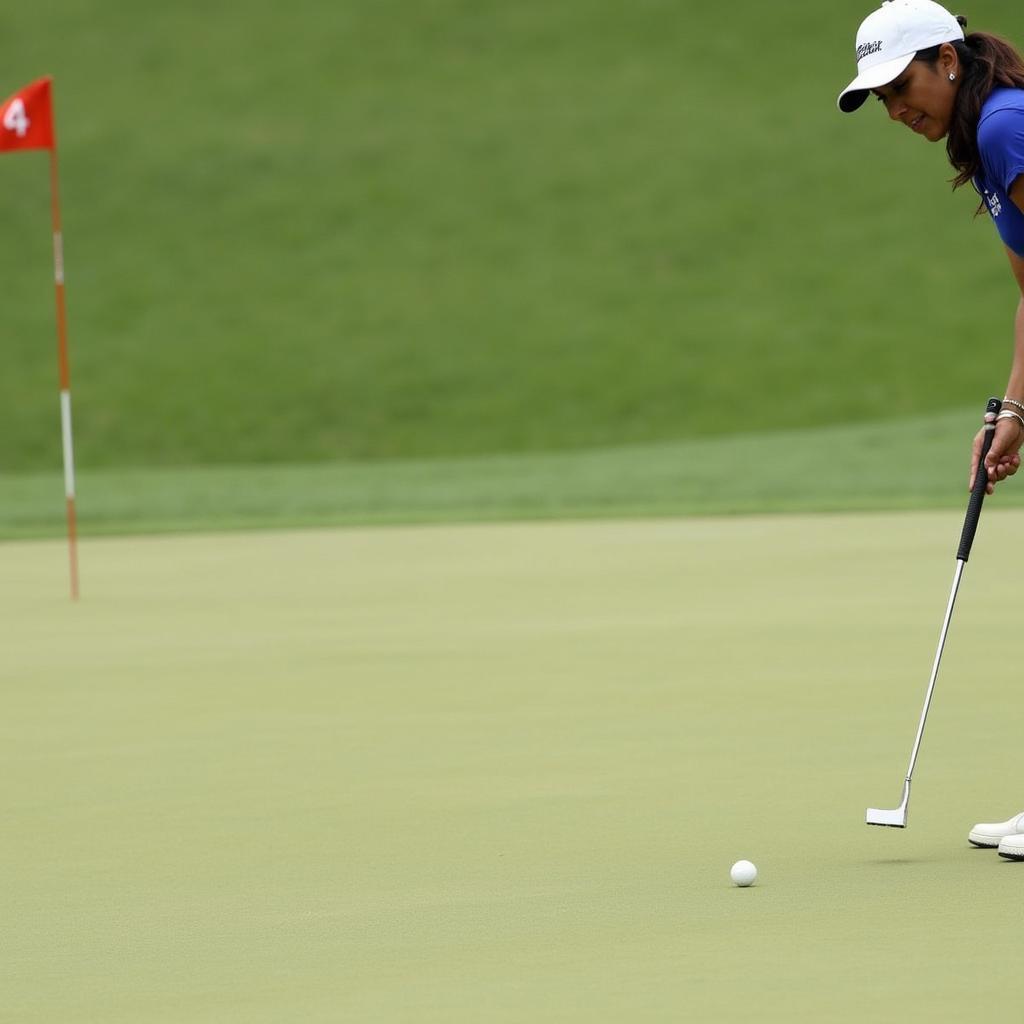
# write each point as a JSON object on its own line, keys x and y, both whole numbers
{"x": 897, "y": 817}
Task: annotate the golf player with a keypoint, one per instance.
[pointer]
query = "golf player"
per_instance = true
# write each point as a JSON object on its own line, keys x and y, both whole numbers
{"x": 914, "y": 57}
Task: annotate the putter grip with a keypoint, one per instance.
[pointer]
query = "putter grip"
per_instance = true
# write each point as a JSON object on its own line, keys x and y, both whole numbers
{"x": 980, "y": 484}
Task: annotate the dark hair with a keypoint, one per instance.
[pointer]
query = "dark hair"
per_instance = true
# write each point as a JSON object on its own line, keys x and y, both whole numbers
{"x": 986, "y": 62}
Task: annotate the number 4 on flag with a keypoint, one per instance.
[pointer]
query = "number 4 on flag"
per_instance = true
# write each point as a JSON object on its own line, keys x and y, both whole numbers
{"x": 26, "y": 118}
{"x": 15, "y": 118}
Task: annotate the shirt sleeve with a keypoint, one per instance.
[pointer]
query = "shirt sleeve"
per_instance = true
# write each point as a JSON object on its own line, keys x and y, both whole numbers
{"x": 1001, "y": 145}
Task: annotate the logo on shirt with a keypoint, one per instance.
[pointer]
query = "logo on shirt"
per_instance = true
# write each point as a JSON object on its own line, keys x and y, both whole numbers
{"x": 994, "y": 205}
{"x": 866, "y": 49}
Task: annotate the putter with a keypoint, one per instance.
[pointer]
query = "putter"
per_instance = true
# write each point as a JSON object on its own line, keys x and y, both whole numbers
{"x": 897, "y": 816}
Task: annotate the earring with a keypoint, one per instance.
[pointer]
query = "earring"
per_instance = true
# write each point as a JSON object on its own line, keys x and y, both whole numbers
{"x": 952, "y": 77}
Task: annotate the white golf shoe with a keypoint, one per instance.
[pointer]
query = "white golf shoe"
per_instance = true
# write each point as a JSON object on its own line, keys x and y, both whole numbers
{"x": 1012, "y": 847}
{"x": 993, "y": 835}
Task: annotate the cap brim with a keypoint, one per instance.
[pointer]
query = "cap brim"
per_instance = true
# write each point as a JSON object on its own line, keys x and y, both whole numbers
{"x": 881, "y": 74}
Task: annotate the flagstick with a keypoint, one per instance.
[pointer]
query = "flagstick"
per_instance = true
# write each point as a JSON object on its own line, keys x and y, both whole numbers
{"x": 65, "y": 376}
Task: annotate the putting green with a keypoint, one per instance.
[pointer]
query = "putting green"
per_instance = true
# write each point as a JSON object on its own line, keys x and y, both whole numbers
{"x": 500, "y": 773}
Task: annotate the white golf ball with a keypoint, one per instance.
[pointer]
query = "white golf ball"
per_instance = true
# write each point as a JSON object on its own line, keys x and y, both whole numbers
{"x": 743, "y": 873}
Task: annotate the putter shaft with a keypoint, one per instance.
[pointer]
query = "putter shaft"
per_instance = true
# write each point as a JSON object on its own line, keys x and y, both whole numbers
{"x": 897, "y": 816}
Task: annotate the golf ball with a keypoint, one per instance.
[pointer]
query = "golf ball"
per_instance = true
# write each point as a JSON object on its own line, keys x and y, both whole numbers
{"x": 743, "y": 873}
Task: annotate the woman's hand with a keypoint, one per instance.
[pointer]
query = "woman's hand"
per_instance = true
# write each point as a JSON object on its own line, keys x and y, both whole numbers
{"x": 1002, "y": 459}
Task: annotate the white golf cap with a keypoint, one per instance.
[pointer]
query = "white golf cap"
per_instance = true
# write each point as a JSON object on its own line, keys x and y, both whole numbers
{"x": 888, "y": 39}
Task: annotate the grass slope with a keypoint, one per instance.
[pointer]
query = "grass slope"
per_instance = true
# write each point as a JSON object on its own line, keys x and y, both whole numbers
{"x": 394, "y": 230}
{"x": 917, "y": 463}
{"x": 433, "y": 774}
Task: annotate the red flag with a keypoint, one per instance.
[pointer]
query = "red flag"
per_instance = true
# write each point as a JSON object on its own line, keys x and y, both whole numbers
{"x": 26, "y": 119}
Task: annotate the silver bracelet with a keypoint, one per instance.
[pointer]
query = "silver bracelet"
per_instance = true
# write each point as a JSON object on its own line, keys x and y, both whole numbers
{"x": 1014, "y": 403}
{"x": 1007, "y": 414}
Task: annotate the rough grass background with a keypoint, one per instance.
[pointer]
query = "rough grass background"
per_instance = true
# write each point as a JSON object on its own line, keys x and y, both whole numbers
{"x": 392, "y": 230}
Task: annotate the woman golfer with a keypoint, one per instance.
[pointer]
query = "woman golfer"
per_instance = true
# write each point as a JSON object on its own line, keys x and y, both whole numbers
{"x": 914, "y": 57}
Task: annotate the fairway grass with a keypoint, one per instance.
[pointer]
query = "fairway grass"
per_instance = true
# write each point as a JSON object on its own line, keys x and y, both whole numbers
{"x": 910, "y": 463}
{"x": 500, "y": 773}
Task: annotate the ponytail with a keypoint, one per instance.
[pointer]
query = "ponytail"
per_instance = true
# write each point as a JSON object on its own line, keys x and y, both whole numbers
{"x": 986, "y": 63}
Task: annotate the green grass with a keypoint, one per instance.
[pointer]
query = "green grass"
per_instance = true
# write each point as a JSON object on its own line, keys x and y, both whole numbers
{"x": 501, "y": 772}
{"x": 433, "y": 263}
{"x": 397, "y": 230}
{"x": 914, "y": 463}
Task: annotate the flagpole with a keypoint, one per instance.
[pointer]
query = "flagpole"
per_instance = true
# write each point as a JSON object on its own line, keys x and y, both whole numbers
{"x": 65, "y": 375}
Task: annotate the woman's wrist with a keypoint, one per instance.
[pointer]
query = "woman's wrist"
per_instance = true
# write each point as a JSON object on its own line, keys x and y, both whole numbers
{"x": 1009, "y": 414}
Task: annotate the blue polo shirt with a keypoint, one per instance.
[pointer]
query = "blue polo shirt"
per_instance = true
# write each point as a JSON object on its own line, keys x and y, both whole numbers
{"x": 1001, "y": 145}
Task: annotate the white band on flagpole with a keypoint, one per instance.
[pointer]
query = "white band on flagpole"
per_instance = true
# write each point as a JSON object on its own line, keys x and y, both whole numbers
{"x": 58, "y": 257}
{"x": 69, "y": 455}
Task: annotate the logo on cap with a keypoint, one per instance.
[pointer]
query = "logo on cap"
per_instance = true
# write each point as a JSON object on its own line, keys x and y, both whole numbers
{"x": 866, "y": 49}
